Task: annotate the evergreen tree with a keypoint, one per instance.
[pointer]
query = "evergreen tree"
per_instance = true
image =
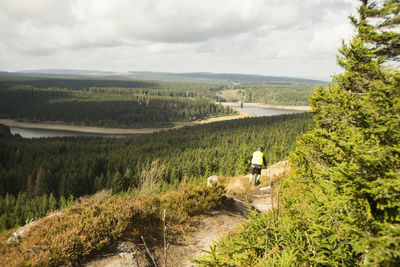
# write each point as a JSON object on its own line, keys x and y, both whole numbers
{"x": 350, "y": 163}
{"x": 380, "y": 35}
{"x": 342, "y": 205}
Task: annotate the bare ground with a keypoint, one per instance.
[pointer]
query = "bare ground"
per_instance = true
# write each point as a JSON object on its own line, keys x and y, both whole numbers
{"x": 208, "y": 228}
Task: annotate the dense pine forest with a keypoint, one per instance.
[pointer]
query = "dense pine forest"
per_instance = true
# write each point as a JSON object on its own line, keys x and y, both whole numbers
{"x": 341, "y": 206}
{"x": 38, "y": 175}
{"x": 132, "y": 104}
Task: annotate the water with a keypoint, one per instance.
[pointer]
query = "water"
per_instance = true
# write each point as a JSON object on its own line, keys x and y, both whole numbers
{"x": 37, "y": 133}
{"x": 260, "y": 112}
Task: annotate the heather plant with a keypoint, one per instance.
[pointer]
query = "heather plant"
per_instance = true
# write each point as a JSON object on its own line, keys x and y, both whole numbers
{"x": 91, "y": 225}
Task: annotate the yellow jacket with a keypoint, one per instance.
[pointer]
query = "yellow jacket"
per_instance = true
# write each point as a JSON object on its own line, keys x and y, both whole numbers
{"x": 258, "y": 158}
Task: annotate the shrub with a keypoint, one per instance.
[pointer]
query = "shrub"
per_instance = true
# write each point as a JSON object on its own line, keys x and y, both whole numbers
{"x": 92, "y": 225}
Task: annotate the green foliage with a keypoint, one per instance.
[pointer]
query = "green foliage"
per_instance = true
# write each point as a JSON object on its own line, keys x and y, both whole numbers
{"x": 5, "y": 132}
{"x": 278, "y": 93}
{"x": 342, "y": 205}
{"x": 22, "y": 209}
{"x": 246, "y": 247}
{"x": 380, "y": 35}
{"x": 353, "y": 152}
{"x": 108, "y": 107}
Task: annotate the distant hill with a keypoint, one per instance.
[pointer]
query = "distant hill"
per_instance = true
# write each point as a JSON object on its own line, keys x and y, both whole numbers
{"x": 243, "y": 78}
{"x": 194, "y": 77}
{"x": 65, "y": 72}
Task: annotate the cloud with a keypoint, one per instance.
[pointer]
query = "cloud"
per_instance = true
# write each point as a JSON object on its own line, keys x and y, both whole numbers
{"x": 227, "y": 32}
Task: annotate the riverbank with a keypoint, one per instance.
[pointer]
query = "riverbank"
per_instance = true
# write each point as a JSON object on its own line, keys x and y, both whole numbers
{"x": 260, "y": 105}
{"x": 102, "y": 130}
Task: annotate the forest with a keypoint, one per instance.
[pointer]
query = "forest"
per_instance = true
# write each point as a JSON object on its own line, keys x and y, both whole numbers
{"x": 40, "y": 174}
{"x": 274, "y": 93}
{"x": 284, "y": 93}
{"x": 73, "y": 102}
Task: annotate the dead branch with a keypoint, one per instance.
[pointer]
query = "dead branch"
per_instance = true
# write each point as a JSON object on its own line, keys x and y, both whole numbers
{"x": 148, "y": 252}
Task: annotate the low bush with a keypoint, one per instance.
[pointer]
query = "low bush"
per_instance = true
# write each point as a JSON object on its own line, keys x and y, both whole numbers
{"x": 90, "y": 226}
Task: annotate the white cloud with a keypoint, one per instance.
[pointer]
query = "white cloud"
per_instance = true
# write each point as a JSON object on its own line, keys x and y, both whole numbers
{"x": 174, "y": 35}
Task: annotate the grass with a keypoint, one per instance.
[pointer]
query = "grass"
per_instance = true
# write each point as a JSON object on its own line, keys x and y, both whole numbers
{"x": 95, "y": 223}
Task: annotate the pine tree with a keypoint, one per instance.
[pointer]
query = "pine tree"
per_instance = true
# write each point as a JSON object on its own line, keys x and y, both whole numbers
{"x": 117, "y": 183}
{"x": 38, "y": 183}
{"x": 351, "y": 159}
{"x": 385, "y": 14}
{"x": 29, "y": 187}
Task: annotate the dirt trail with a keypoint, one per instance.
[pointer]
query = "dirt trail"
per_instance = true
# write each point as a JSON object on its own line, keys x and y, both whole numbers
{"x": 208, "y": 227}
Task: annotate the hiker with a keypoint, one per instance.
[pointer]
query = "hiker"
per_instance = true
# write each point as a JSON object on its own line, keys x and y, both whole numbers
{"x": 257, "y": 162}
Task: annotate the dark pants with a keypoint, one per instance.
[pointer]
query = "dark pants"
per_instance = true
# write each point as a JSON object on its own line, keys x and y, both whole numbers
{"x": 256, "y": 169}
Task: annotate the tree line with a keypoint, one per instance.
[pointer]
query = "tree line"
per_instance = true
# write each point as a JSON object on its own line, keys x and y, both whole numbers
{"x": 285, "y": 93}
{"x": 107, "y": 107}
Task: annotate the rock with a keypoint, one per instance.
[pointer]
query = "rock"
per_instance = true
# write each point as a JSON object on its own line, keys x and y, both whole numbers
{"x": 212, "y": 180}
{"x": 264, "y": 189}
{"x": 14, "y": 239}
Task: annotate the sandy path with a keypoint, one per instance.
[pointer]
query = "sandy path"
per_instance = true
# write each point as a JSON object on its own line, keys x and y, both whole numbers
{"x": 102, "y": 130}
{"x": 208, "y": 229}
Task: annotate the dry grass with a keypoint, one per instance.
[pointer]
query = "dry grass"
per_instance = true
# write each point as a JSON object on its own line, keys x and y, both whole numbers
{"x": 272, "y": 176}
{"x": 91, "y": 225}
{"x": 239, "y": 187}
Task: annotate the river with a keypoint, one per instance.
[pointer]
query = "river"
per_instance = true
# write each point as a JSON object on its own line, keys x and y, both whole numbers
{"x": 27, "y": 132}
{"x": 260, "y": 112}
{"x": 38, "y": 133}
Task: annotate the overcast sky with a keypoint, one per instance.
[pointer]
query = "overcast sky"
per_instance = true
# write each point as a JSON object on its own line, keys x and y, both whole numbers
{"x": 271, "y": 37}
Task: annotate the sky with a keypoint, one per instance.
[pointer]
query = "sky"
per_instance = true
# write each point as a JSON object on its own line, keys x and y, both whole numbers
{"x": 297, "y": 38}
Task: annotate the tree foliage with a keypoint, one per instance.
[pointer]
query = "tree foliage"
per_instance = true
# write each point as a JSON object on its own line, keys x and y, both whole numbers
{"x": 380, "y": 35}
{"x": 274, "y": 93}
{"x": 107, "y": 107}
{"x": 342, "y": 205}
